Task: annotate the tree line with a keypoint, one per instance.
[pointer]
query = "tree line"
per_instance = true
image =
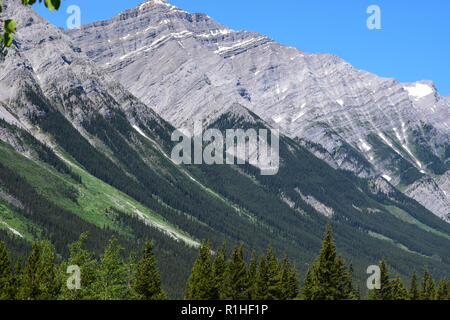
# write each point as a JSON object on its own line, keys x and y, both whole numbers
{"x": 215, "y": 276}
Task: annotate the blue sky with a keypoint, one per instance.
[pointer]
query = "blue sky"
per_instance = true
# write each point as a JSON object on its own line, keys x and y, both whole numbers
{"x": 413, "y": 43}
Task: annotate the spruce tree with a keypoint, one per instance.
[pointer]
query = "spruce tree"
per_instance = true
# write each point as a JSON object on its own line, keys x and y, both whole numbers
{"x": 251, "y": 276}
{"x": 30, "y": 288}
{"x": 6, "y": 278}
{"x": 443, "y": 290}
{"x": 85, "y": 260}
{"x": 111, "y": 273}
{"x": 236, "y": 285}
{"x": 50, "y": 283}
{"x": 288, "y": 280}
{"x": 17, "y": 278}
{"x": 308, "y": 285}
{"x": 148, "y": 282}
{"x": 427, "y": 291}
{"x": 293, "y": 287}
{"x": 327, "y": 278}
{"x": 273, "y": 276}
{"x": 261, "y": 289}
{"x": 385, "y": 291}
{"x": 201, "y": 284}
{"x": 414, "y": 293}
{"x": 219, "y": 268}
{"x": 398, "y": 290}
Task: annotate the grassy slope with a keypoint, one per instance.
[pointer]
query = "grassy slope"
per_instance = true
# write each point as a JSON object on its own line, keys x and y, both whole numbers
{"x": 94, "y": 196}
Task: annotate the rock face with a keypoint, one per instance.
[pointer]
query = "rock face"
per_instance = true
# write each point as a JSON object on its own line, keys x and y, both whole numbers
{"x": 433, "y": 194}
{"x": 44, "y": 60}
{"x": 187, "y": 66}
{"x": 83, "y": 117}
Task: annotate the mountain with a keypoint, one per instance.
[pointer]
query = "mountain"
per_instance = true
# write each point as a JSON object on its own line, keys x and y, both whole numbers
{"x": 187, "y": 66}
{"x": 81, "y": 151}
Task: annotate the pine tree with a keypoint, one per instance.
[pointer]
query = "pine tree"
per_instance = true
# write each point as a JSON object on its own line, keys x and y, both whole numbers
{"x": 6, "y": 278}
{"x": 443, "y": 290}
{"x": 288, "y": 280}
{"x": 148, "y": 283}
{"x": 414, "y": 293}
{"x": 201, "y": 284}
{"x": 261, "y": 289}
{"x": 355, "y": 291}
{"x": 327, "y": 278}
{"x": 111, "y": 273}
{"x": 236, "y": 285}
{"x": 274, "y": 276}
{"x": 85, "y": 260}
{"x": 219, "y": 268}
{"x": 50, "y": 283}
{"x": 131, "y": 274}
{"x": 251, "y": 276}
{"x": 17, "y": 278}
{"x": 308, "y": 285}
{"x": 427, "y": 291}
{"x": 358, "y": 291}
{"x": 344, "y": 280}
{"x": 293, "y": 291}
{"x": 398, "y": 290}
{"x": 30, "y": 285}
{"x": 385, "y": 292}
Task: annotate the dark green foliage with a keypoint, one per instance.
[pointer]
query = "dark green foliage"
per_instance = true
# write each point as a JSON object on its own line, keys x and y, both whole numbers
{"x": 114, "y": 278}
{"x": 39, "y": 281}
{"x": 420, "y": 139}
{"x": 413, "y": 288}
{"x": 201, "y": 284}
{"x": 427, "y": 290}
{"x": 399, "y": 291}
{"x": 87, "y": 263}
{"x": 385, "y": 291}
{"x": 44, "y": 153}
{"x": 219, "y": 269}
{"x": 111, "y": 274}
{"x": 236, "y": 283}
{"x": 289, "y": 281}
{"x": 443, "y": 290}
{"x": 148, "y": 283}
{"x": 251, "y": 276}
{"x": 327, "y": 278}
{"x": 6, "y": 277}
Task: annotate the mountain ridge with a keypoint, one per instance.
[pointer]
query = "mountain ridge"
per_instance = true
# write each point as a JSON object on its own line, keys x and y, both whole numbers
{"x": 364, "y": 122}
{"x": 85, "y": 146}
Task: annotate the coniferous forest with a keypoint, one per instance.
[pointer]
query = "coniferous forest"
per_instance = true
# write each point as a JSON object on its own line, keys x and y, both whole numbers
{"x": 216, "y": 275}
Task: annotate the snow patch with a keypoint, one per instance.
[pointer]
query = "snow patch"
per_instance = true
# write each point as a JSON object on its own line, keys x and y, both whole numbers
{"x": 237, "y": 45}
{"x": 159, "y": 41}
{"x": 419, "y": 90}
{"x": 214, "y": 33}
{"x": 364, "y": 145}
{"x": 299, "y": 115}
{"x": 14, "y": 231}
{"x": 278, "y": 118}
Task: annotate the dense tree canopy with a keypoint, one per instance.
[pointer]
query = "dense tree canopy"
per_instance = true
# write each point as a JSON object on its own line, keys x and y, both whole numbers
{"x": 216, "y": 275}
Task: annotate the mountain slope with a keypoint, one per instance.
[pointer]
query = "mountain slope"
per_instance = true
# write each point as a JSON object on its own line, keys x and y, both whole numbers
{"x": 187, "y": 66}
{"x": 82, "y": 153}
